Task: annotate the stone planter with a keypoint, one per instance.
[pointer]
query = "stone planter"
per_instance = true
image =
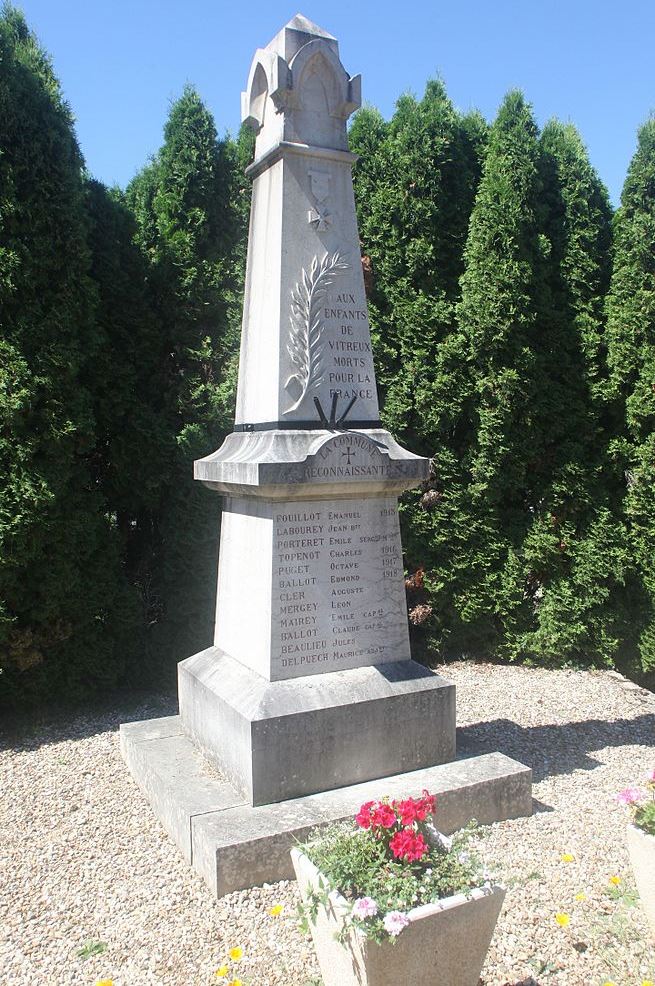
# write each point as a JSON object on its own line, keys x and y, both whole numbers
{"x": 444, "y": 945}
{"x": 641, "y": 847}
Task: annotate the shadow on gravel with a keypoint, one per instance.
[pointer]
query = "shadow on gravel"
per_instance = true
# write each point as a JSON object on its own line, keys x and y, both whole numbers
{"x": 559, "y": 748}
{"x": 30, "y": 731}
{"x": 540, "y": 807}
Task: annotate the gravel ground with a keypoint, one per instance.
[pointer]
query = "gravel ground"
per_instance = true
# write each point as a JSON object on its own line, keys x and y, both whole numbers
{"x": 92, "y": 888}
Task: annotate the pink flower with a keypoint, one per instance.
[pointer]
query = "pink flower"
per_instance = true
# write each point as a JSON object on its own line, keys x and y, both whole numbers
{"x": 394, "y": 922}
{"x": 650, "y": 778}
{"x": 365, "y": 907}
{"x": 630, "y": 796}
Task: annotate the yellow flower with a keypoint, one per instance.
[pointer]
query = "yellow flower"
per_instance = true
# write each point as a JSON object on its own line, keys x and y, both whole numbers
{"x": 615, "y": 880}
{"x": 236, "y": 953}
{"x": 105, "y": 982}
{"x": 562, "y": 919}
{"x": 647, "y": 982}
{"x": 609, "y": 983}
{"x": 221, "y": 972}
{"x": 568, "y": 857}
{"x": 275, "y": 910}
{"x": 235, "y": 982}
{"x": 580, "y": 896}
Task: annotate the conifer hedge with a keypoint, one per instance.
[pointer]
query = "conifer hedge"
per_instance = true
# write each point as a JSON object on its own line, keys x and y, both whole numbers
{"x": 631, "y": 357}
{"x": 66, "y": 610}
{"x": 188, "y": 222}
{"x": 518, "y": 544}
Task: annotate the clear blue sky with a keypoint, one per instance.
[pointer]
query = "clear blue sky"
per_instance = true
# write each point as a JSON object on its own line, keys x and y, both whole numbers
{"x": 121, "y": 63}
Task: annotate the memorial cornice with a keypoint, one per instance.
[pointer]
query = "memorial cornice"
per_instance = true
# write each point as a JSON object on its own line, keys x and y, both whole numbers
{"x": 274, "y": 154}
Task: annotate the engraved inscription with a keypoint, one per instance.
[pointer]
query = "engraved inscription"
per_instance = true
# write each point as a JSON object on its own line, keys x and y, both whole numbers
{"x": 347, "y": 456}
{"x": 338, "y": 586}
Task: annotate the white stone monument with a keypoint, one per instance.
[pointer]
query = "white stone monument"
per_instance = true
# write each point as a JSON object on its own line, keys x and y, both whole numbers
{"x": 310, "y": 683}
{"x": 309, "y": 687}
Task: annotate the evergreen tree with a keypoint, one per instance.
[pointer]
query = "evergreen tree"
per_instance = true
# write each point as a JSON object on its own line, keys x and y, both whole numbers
{"x": 542, "y": 556}
{"x": 186, "y": 206}
{"x": 65, "y": 617}
{"x": 127, "y": 380}
{"x": 631, "y": 357}
{"x": 484, "y": 490}
{"x": 415, "y": 186}
{"x": 415, "y": 189}
{"x": 574, "y": 553}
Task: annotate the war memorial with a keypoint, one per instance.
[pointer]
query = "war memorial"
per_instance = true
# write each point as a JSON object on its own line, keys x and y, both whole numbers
{"x": 308, "y": 702}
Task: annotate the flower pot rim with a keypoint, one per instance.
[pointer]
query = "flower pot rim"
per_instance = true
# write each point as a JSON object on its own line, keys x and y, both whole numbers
{"x": 641, "y": 832}
{"x": 416, "y": 913}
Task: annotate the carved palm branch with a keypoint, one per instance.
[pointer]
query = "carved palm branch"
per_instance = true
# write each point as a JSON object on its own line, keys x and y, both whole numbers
{"x": 304, "y": 345}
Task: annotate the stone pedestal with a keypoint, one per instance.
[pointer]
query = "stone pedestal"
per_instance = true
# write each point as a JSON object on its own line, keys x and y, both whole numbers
{"x": 275, "y": 740}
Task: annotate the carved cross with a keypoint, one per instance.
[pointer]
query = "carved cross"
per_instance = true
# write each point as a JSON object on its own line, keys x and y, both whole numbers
{"x": 322, "y": 219}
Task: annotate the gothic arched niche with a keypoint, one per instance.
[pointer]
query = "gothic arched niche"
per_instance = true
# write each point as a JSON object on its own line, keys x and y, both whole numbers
{"x": 320, "y": 86}
{"x": 257, "y": 93}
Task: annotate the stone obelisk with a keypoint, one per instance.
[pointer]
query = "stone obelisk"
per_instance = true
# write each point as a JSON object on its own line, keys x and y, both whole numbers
{"x": 310, "y": 683}
{"x": 308, "y": 701}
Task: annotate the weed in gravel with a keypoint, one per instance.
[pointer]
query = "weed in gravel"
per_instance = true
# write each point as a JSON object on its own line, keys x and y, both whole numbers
{"x": 543, "y": 968}
{"x": 90, "y": 948}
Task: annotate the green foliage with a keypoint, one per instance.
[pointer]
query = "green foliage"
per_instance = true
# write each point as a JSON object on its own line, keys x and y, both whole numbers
{"x": 91, "y": 948}
{"x": 66, "y": 613}
{"x": 500, "y": 324}
{"x": 488, "y": 323}
{"x": 415, "y": 186}
{"x": 357, "y": 864}
{"x": 487, "y": 259}
{"x": 644, "y": 817}
{"x": 549, "y": 559}
{"x": 119, "y": 346}
{"x": 575, "y": 560}
{"x": 189, "y": 214}
{"x": 631, "y": 357}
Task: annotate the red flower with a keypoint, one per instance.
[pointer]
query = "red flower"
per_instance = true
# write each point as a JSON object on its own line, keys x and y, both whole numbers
{"x": 406, "y": 810}
{"x": 363, "y": 816}
{"x": 407, "y": 845}
{"x": 384, "y": 816}
{"x": 401, "y": 843}
{"x": 426, "y": 806}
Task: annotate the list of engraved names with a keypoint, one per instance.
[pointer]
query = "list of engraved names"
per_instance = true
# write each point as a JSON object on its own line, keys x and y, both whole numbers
{"x": 338, "y": 590}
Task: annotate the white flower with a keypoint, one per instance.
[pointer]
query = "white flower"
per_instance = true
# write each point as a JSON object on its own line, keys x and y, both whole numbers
{"x": 364, "y": 907}
{"x": 394, "y": 922}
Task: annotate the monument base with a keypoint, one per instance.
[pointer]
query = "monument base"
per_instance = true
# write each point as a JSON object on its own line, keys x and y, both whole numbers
{"x": 234, "y": 845}
{"x": 276, "y": 740}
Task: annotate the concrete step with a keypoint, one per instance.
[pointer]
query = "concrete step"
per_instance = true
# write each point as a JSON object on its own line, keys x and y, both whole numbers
{"x": 234, "y": 845}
